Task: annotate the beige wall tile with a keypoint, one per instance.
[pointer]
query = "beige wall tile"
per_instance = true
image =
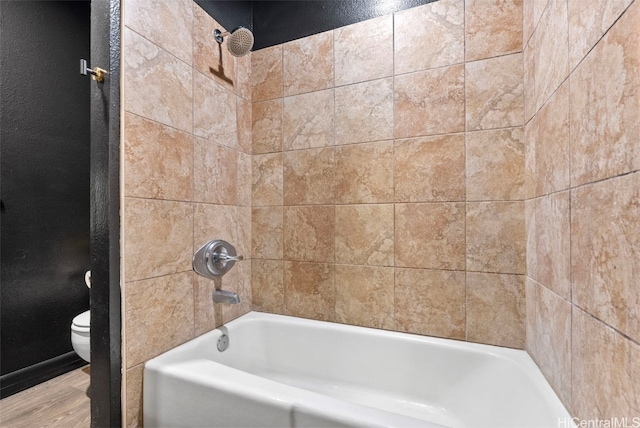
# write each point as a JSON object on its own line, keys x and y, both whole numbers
{"x": 149, "y": 225}
{"x": 244, "y": 123}
{"x": 364, "y": 296}
{"x": 239, "y": 281}
{"x": 210, "y": 58}
{"x": 244, "y": 82}
{"x": 224, "y": 226}
{"x": 588, "y": 24}
{"x": 551, "y": 50}
{"x": 496, "y": 309}
{"x": 529, "y": 78}
{"x": 214, "y": 112}
{"x": 549, "y": 337}
{"x": 134, "y": 396}
{"x": 158, "y": 160}
{"x": 605, "y": 252}
{"x": 429, "y": 102}
{"x": 550, "y": 244}
{"x": 364, "y": 234}
{"x": 309, "y": 233}
{"x": 267, "y": 180}
{"x": 267, "y": 286}
{"x": 308, "y": 120}
{"x": 151, "y": 18}
{"x": 364, "y": 51}
{"x": 605, "y": 110}
{"x": 531, "y": 13}
{"x": 530, "y": 177}
{"x": 157, "y": 85}
{"x": 245, "y": 182}
{"x": 158, "y": 316}
{"x": 364, "y": 173}
{"x": 207, "y": 315}
{"x": 495, "y": 237}
{"x": 548, "y": 137}
{"x": 244, "y": 232}
{"x": 606, "y": 371}
{"x": 309, "y": 176}
{"x": 430, "y": 235}
{"x": 364, "y": 112}
{"x": 430, "y": 302}
{"x": 492, "y": 28}
{"x": 429, "y": 36}
{"x": 494, "y": 93}
{"x": 267, "y": 126}
{"x": 266, "y": 73}
{"x": 430, "y": 169}
{"x": 215, "y": 172}
{"x": 309, "y": 290}
{"x": 266, "y": 232}
{"x": 495, "y": 165}
{"x": 530, "y": 209}
{"x": 308, "y": 64}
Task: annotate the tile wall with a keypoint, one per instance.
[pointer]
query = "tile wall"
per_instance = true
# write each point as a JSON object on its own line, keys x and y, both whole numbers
{"x": 186, "y": 177}
{"x": 582, "y": 186}
{"x": 388, "y": 173}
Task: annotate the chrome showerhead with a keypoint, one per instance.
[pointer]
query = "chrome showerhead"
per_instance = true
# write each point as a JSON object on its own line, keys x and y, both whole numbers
{"x": 239, "y": 42}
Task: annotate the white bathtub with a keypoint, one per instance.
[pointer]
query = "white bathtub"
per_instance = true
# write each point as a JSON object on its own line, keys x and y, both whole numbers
{"x": 281, "y": 371}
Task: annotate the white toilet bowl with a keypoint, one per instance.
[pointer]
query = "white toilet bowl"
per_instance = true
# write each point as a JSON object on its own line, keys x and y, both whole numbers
{"x": 80, "y": 329}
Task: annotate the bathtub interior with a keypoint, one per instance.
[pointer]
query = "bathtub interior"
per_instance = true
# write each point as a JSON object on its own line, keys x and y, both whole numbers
{"x": 421, "y": 379}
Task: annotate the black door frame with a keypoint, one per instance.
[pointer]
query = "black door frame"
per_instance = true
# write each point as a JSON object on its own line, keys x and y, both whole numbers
{"x": 106, "y": 353}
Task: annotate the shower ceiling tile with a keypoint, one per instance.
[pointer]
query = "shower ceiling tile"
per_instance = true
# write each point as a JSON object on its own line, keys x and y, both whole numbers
{"x": 309, "y": 176}
{"x": 495, "y": 165}
{"x": 157, "y": 85}
{"x": 364, "y": 51}
{"x": 430, "y": 169}
{"x": 266, "y": 232}
{"x": 364, "y": 296}
{"x": 429, "y": 36}
{"x": 495, "y": 237}
{"x": 308, "y": 64}
{"x": 429, "y": 102}
{"x": 267, "y": 177}
{"x": 151, "y": 18}
{"x": 605, "y": 110}
{"x": 496, "y": 300}
{"x": 494, "y": 93}
{"x": 364, "y": 173}
{"x": 430, "y": 235}
{"x": 267, "y": 126}
{"x": 157, "y": 160}
{"x": 309, "y": 290}
{"x": 266, "y": 73}
{"x": 210, "y": 58}
{"x": 493, "y": 28}
{"x": 308, "y": 120}
{"x": 364, "y": 112}
{"x": 430, "y": 302}
{"x": 364, "y": 234}
{"x": 309, "y": 233}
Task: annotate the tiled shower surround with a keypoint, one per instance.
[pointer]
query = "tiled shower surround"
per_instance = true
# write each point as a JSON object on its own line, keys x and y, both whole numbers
{"x": 375, "y": 175}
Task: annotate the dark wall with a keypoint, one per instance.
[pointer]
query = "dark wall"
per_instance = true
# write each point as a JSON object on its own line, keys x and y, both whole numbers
{"x": 44, "y": 185}
{"x": 275, "y": 22}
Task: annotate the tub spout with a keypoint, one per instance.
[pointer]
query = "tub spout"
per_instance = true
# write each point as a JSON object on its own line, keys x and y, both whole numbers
{"x": 221, "y": 296}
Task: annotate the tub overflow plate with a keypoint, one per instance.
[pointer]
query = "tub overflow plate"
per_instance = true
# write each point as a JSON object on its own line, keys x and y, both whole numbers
{"x": 223, "y": 342}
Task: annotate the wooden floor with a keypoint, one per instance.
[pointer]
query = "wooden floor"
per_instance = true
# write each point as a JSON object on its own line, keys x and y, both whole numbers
{"x": 62, "y": 402}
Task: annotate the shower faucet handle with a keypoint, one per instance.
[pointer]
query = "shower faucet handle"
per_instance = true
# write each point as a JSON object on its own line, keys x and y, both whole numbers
{"x": 215, "y": 258}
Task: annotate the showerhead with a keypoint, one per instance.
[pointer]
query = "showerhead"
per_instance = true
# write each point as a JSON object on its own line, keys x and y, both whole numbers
{"x": 239, "y": 42}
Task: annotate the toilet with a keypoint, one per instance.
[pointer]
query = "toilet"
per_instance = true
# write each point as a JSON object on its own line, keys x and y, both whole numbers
{"x": 80, "y": 329}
